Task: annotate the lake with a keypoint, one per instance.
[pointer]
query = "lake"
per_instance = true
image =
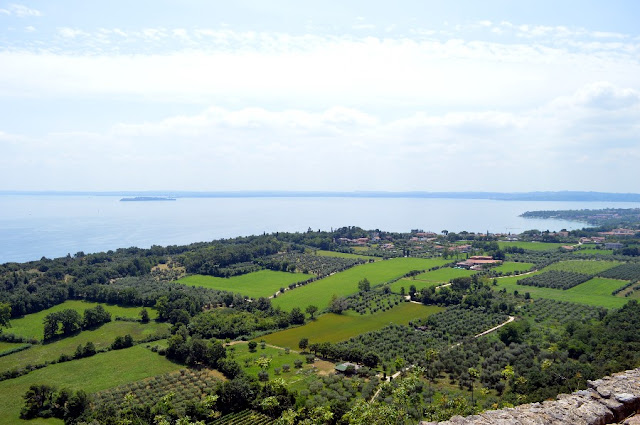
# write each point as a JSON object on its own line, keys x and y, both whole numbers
{"x": 33, "y": 226}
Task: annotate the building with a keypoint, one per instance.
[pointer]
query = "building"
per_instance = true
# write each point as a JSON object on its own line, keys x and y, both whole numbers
{"x": 478, "y": 262}
{"x": 347, "y": 368}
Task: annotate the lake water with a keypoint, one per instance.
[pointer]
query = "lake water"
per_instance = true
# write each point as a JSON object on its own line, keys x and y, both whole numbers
{"x": 52, "y": 226}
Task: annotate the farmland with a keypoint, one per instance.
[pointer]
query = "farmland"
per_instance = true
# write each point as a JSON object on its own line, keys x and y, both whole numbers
{"x": 101, "y": 337}
{"x": 589, "y": 267}
{"x": 263, "y": 283}
{"x": 340, "y": 327}
{"x": 30, "y": 326}
{"x": 531, "y": 246}
{"x": 186, "y": 385}
{"x": 344, "y": 255}
{"x": 319, "y": 293}
{"x": 593, "y": 251}
{"x": 91, "y": 374}
{"x": 628, "y": 271}
{"x": 556, "y": 279}
{"x": 513, "y": 267}
{"x": 430, "y": 278}
{"x": 377, "y": 329}
{"x": 278, "y": 358}
{"x": 596, "y": 292}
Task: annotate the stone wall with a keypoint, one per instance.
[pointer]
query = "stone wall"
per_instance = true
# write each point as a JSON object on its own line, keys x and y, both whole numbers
{"x": 608, "y": 400}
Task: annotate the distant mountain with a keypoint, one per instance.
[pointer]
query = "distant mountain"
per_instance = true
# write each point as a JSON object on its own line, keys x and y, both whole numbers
{"x": 147, "y": 199}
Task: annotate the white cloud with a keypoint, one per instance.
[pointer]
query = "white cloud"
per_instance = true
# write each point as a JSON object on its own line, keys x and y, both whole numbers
{"x": 257, "y": 148}
{"x": 21, "y": 11}
{"x": 68, "y": 32}
{"x": 254, "y": 68}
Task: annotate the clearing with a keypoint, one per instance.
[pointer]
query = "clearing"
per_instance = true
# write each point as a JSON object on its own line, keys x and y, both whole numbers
{"x": 263, "y": 283}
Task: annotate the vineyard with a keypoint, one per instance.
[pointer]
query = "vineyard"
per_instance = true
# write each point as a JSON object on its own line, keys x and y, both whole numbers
{"x": 186, "y": 385}
{"x": 589, "y": 267}
{"x": 457, "y": 322}
{"x": 323, "y": 389}
{"x": 628, "y": 271}
{"x": 555, "y": 279}
{"x": 439, "y": 330}
{"x": 543, "y": 310}
{"x": 373, "y": 301}
{"x": 245, "y": 417}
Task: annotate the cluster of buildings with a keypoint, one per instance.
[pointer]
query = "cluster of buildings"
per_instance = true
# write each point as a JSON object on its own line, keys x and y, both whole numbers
{"x": 478, "y": 262}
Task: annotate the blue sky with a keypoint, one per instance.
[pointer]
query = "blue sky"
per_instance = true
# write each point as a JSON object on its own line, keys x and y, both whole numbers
{"x": 254, "y": 95}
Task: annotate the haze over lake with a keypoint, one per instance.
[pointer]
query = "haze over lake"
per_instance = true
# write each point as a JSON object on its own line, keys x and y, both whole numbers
{"x": 52, "y": 226}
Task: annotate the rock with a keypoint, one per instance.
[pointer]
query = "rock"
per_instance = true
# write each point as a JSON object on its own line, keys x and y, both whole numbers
{"x": 607, "y": 400}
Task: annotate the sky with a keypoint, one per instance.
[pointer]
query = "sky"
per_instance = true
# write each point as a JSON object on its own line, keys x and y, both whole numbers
{"x": 355, "y": 95}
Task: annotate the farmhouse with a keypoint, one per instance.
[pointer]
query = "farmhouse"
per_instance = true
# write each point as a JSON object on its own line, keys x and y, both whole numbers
{"x": 347, "y": 368}
{"x": 478, "y": 262}
{"x": 613, "y": 245}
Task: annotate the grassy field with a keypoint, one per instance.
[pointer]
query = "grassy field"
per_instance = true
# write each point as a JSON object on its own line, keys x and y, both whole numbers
{"x": 532, "y": 246}
{"x": 510, "y": 266}
{"x": 596, "y": 292}
{"x": 30, "y": 326}
{"x": 295, "y": 379}
{"x": 4, "y": 346}
{"x": 582, "y": 266}
{"x": 432, "y": 278}
{"x": 263, "y": 283}
{"x": 593, "y": 251}
{"x": 319, "y": 293}
{"x": 92, "y": 374}
{"x": 339, "y": 327}
{"x": 344, "y": 255}
{"x": 101, "y": 337}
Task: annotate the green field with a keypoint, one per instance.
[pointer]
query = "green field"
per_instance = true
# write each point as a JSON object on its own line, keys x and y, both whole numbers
{"x": 324, "y": 253}
{"x": 241, "y": 354}
{"x": 532, "y": 246}
{"x": 295, "y": 379}
{"x": 591, "y": 267}
{"x": 92, "y": 374}
{"x": 5, "y": 346}
{"x": 31, "y": 325}
{"x": 432, "y": 278}
{"x": 263, "y": 283}
{"x": 319, "y": 293}
{"x": 596, "y": 291}
{"x": 510, "y": 266}
{"x": 593, "y": 251}
{"x": 102, "y": 337}
{"x": 339, "y": 327}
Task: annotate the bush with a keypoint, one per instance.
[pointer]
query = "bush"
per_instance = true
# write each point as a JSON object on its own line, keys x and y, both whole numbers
{"x": 297, "y": 363}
